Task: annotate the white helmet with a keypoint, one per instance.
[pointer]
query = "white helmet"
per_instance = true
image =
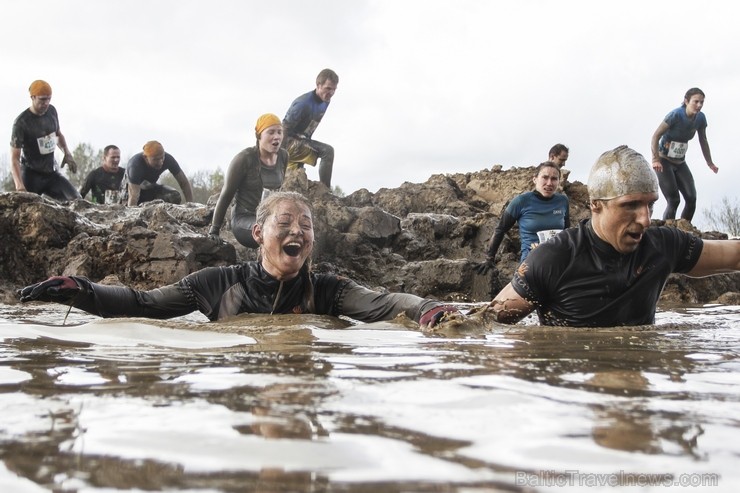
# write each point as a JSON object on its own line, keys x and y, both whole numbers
{"x": 618, "y": 172}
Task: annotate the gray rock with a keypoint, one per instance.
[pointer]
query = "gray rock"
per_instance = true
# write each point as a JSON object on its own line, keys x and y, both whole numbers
{"x": 421, "y": 238}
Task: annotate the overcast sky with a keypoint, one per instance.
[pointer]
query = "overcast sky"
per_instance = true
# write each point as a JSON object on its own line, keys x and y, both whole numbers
{"x": 435, "y": 86}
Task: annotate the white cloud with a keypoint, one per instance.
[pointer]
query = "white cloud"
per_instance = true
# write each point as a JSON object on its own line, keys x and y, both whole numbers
{"x": 425, "y": 87}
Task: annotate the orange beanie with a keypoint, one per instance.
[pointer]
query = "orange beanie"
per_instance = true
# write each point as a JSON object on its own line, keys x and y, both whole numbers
{"x": 153, "y": 148}
{"x": 266, "y": 120}
{"x": 40, "y": 88}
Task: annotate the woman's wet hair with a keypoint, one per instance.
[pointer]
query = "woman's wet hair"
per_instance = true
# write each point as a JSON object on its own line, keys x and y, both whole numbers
{"x": 270, "y": 203}
{"x": 268, "y": 207}
{"x": 692, "y": 92}
{"x": 546, "y": 164}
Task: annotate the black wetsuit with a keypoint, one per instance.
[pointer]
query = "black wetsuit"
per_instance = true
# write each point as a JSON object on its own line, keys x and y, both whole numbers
{"x": 220, "y": 292}
{"x": 245, "y": 182}
{"x": 579, "y": 280}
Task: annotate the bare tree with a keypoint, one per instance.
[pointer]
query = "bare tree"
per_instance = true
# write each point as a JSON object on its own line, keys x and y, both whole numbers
{"x": 726, "y": 217}
{"x": 87, "y": 158}
{"x": 6, "y": 177}
{"x": 204, "y": 183}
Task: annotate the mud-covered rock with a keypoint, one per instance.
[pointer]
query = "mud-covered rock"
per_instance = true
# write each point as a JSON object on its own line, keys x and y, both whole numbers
{"x": 421, "y": 238}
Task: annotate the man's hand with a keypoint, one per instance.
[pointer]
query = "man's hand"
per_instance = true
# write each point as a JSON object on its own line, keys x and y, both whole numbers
{"x": 482, "y": 268}
{"x": 56, "y": 288}
{"x": 69, "y": 160}
{"x": 434, "y": 316}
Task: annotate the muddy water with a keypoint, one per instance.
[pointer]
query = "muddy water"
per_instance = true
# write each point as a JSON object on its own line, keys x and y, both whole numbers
{"x": 308, "y": 404}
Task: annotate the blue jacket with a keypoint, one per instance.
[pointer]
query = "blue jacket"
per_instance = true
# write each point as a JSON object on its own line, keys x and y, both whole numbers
{"x": 304, "y": 115}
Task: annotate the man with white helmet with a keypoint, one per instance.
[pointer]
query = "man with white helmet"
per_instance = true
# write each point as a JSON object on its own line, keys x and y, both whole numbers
{"x": 612, "y": 268}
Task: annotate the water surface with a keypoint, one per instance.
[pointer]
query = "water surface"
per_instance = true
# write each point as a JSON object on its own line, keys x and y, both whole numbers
{"x": 307, "y": 403}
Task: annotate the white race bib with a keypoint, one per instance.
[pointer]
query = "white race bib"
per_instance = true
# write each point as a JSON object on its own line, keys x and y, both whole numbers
{"x": 677, "y": 150}
{"x": 112, "y": 197}
{"x": 47, "y": 143}
{"x": 547, "y": 234}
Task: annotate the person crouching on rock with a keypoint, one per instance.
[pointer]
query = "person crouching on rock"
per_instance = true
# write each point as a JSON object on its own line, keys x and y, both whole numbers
{"x": 253, "y": 173}
{"x": 279, "y": 282}
{"x": 143, "y": 171}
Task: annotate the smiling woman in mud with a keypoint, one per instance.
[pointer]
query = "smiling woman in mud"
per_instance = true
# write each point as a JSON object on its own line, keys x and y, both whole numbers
{"x": 280, "y": 281}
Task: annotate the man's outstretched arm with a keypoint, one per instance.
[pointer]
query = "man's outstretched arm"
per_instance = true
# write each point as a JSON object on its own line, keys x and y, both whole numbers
{"x": 509, "y": 307}
{"x": 717, "y": 257}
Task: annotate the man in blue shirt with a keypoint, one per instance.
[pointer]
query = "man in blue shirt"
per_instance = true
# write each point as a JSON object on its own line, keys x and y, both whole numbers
{"x": 300, "y": 122}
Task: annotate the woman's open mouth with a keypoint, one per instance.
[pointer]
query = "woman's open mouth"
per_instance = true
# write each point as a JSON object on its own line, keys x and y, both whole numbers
{"x": 292, "y": 249}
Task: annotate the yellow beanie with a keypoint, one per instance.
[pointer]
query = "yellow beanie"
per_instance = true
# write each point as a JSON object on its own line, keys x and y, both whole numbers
{"x": 266, "y": 120}
{"x": 153, "y": 148}
{"x": 40, "y": 88}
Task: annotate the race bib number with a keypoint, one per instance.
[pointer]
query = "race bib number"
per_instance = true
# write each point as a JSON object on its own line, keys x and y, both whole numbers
{"x": 311, "y": 127}
{"x": 545, "y": 235}
{"x": 112, "y": 197}
{"x": 47, "y": 143}
{"x": 677, "y": 150}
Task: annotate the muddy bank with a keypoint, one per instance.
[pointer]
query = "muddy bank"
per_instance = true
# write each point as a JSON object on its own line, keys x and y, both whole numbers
{"x": 421, "y": 238}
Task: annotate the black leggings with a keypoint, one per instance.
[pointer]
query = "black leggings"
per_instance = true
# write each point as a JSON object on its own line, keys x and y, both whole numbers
{"x": 241, "y": 226}
{"x": 160, "y": 192}
{"x": 673, "y": 179}
{"x": 53, "y": 184}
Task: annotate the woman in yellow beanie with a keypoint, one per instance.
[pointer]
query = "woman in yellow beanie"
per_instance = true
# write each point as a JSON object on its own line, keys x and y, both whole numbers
{"x": 252, "y": 175}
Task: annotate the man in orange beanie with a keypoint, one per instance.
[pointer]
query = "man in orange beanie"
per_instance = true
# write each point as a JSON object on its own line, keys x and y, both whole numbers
{"x": 34, "y": 139}
{"x": 300, "y": 122}
{"x": 143, "y": 171}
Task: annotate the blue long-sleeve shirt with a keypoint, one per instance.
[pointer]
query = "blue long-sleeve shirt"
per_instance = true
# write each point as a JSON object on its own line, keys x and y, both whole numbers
{"x": 304, "y": 115}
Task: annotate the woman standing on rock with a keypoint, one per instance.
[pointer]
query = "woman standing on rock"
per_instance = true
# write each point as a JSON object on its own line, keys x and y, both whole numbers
{"x": 669, "y": 144}
{"x": 253, "y": 174}
{"x": 280, "y": 281}
{"x": 540, "y": 213}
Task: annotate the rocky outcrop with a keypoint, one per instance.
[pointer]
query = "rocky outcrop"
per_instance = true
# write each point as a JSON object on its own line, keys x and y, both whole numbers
{"x": 422, "y": 238}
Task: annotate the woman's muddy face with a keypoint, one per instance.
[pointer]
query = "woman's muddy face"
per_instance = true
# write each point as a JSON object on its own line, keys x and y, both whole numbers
{"x": 286, "y": 239}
